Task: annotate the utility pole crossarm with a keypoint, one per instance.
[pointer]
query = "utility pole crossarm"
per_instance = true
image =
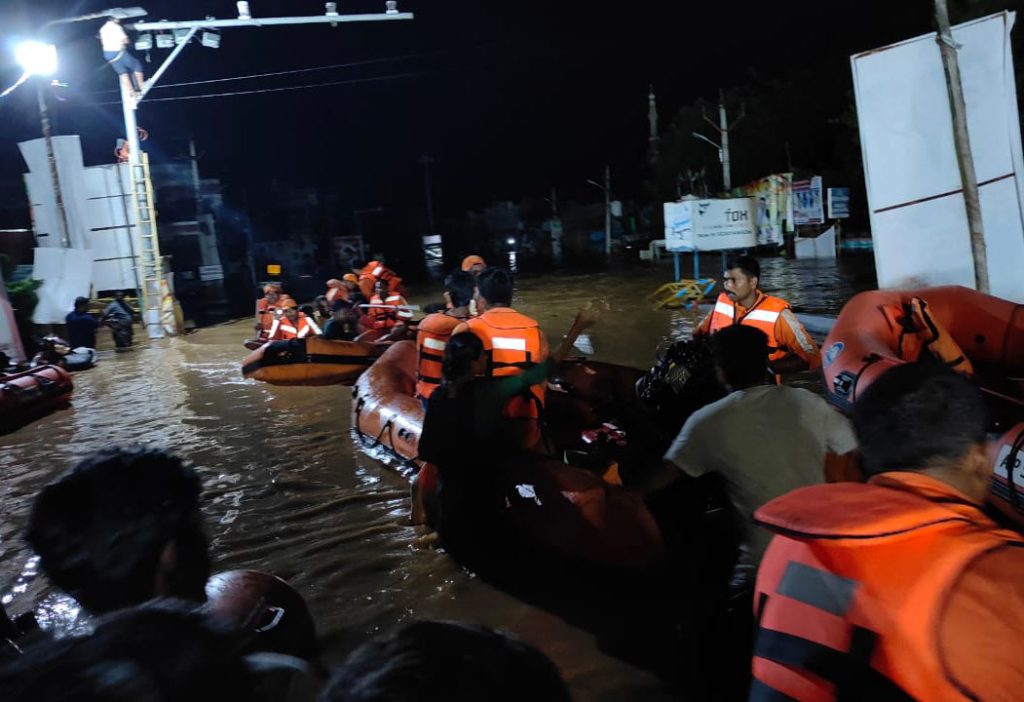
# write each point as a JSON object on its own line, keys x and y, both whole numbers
{"x": 268, "y": 21}
{"x": 743, "y": 113}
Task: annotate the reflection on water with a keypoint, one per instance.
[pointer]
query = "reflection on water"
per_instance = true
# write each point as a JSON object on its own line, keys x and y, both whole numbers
{"x": 287, "y": 491}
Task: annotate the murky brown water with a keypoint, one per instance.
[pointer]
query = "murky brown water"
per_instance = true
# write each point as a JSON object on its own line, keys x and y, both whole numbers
{"x": 287, "y": 491}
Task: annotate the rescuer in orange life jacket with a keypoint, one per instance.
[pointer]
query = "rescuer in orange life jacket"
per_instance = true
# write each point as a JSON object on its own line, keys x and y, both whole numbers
{"x": 292, "y": 324}
{"x": 790, "y": 347}
{"x": 268, "y": 306}
{"x": 434, "y": 331}
{"x": 388, "y": 307}
{"x": 512, "y": 343}
{"x": 901, "y": 588}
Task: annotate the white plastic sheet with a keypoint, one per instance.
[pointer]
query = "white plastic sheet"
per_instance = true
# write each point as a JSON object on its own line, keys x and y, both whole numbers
{"x": 66, "y": 274}
{"x": 918, "y": 220}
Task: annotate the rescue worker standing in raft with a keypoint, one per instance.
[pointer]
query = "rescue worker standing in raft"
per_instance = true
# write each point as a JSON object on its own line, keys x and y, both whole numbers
{"x": 512, "y": 343}
{"x": 790, "y": 347}
{"x": 901, "y": 588}
{"x": 434, "y": 331}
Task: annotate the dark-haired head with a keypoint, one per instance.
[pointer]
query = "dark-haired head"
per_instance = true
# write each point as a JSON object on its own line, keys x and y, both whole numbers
{"x": 81, "y": 303}
{"x": 494, "y": 287}
{"x": 122, "y": 527}
{"x": 922, "y": 416}
{"x": 458, "y": 286}
{"x": 748, "y": 265}
{"x": 740, "y": 354}
{"x": 461, "y": 356}
{"x": 446, "y": 661}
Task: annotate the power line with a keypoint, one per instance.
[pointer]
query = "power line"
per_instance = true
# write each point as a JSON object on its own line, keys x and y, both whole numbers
{"x": 311, "y": 69}
{"x": 276, "y": 90}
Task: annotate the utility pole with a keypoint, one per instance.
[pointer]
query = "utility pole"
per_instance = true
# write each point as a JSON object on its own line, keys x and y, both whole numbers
{"x": 51, "y": 157}
{"x": 723, "y": 128}
{"x": 148, "y": 263}
{"x": 425, "y": 161}
{"x": 554, "y": 203}
{"x": 962, "y": 141}
{"x": 607, "y": 210}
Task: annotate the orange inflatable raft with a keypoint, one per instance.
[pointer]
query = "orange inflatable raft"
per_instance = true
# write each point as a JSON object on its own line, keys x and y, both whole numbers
{"x": 312, "y": 361}
{"x": 565, "y": 508}
{"x": 32, "y": 393}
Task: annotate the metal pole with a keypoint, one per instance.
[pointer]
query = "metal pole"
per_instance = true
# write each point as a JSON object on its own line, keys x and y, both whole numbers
{"x": 426, "y": 161}
{"x": 607, "y": 211}
{"x": 962, "y": 141}
{"x": 266, "y": 21}
{"x": 723, "y": 122}
{"x": 51, "y": 157}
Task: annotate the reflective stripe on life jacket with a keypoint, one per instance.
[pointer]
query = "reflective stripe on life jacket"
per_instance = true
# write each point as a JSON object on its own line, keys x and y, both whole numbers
{"x": 284, "y": 329}
{"x": 763, "y": 315}
{"x": 431, "y": 339}
{"x": 851, "y": 593}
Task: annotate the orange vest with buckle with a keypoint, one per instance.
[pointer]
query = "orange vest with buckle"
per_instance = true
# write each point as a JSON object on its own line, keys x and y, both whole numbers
{"x": 431, "y": 340}
{"x": 512, "y": 343}
{"x": 851, "y": 593}
{"x": 763, "y": 314}
{"x": 374, "y": 271}
{"x": 283, "y": 328}
{"x": 266, "y": 312}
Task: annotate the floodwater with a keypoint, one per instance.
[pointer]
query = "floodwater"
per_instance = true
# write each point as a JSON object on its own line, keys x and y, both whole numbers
{"x": 287, "y": 491}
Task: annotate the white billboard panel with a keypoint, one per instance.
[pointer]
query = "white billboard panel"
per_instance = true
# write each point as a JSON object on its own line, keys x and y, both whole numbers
{"x": 710, "y": 225}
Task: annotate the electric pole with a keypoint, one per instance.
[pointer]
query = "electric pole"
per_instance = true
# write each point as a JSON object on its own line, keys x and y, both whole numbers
{"x": 607, "y": 210}
{"x": 425, "y": 161}
{"x": 58, "y": 196}
{"x": 962, "y": 141}
{"x": 723, "y": 128}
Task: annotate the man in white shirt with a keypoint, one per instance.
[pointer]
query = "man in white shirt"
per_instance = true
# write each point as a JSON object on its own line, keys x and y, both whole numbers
{"x": 115, "y": 50}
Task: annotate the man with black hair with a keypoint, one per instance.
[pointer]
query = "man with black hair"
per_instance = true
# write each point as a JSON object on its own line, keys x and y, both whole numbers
{"x": 901, "y": 588}
{"x": 119, "y": 316}
{"x": 81, "y": 325}
{"x": 343, "y": 324}
{"x": 434, "y": 331}
{"x": 762, "y": 439}
{"x": 790, "y": 347}
{"x": 513, "y": 343}
{"x": 122, "y": 527}
{"x": 446, "y": 661}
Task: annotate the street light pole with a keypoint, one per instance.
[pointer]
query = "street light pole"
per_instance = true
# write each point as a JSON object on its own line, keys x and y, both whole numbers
{"x": 51, "y": 157}
{"x": 425, "y": 161}
{"x": 607, "y": 188}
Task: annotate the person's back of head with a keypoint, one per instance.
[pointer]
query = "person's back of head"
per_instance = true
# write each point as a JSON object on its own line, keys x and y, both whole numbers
{"x": 920, "y": 416}
{"x": 748, "y": 264}
{"x": 81, "y": 304}
{"x": 161, "y": 652}
{"x": 122, "y": 527}
{"x": 459, "y": 286}
{"x": 460, "y": 354}
{"x": 740, "y": 355}
{"x": 446, "y": 661}
{"x": 494, "y": 285}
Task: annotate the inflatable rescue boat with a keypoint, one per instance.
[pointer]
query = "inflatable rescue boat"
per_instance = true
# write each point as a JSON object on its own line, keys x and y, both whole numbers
{"x": 32, "y": 393}
{"x": 572, "y": 510}
{"x": 311, "y": 361}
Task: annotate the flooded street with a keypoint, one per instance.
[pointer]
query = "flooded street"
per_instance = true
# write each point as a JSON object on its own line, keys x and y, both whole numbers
{"x": 287, "y": 491}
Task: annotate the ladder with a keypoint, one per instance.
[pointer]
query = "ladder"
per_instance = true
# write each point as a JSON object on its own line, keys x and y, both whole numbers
{"x": 148, "y": 264}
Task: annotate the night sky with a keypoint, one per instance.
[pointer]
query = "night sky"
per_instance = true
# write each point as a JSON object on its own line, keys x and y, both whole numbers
{"x": 508, "y": 97}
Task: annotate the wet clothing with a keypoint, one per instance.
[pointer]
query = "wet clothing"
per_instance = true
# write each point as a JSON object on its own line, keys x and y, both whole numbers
{"x": 763, "y": 441}
{"x": 81, "y": 329}
{"x": 898, "y": 589}
{"x": 772, "y": 315}
{"x": 118, "y": 315}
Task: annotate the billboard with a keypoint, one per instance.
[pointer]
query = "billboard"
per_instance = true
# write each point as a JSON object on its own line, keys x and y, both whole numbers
{"x": 915, "y": 198}
{"x": 710, "y": 225}
{"x": 838, "y": 203}
{"x": 807, "y": 202}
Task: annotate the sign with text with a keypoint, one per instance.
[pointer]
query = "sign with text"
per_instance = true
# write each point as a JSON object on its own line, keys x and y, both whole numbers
{"x": 207, "y": 273}
{"x": 710, "y": 225}
{"x": 838, "y": 203}
{"x": 807, "y": 202}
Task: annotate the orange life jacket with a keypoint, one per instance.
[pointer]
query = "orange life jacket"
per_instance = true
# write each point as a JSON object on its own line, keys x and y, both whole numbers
{"x": 374, "y": 271}
{"x": 283, "y": 329}
{"x": 512, "y": 343}
{"x": 384, "y": 318}
{"x": 336, "y": 293}
{"x": 266, "y": 312}
{"x": 851, "y": 593}
{"x": 431, "y": 339}
{"x": 763, "y": 315}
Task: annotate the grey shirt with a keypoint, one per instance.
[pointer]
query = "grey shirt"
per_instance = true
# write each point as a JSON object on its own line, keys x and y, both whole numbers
{"x": 764, "y": 442}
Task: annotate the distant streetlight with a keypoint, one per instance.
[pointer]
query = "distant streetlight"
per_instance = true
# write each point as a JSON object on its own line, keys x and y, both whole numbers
{"x": 36, "y": 58}
{"x": 607, "y": 188}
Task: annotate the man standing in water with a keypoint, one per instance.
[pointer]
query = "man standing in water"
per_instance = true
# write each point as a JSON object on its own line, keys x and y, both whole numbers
{"x": 790, "y": 347}
{"x": 119, "y": 316}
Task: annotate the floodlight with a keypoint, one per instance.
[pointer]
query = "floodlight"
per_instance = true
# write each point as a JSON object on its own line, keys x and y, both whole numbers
{"x": 164, "y": 41}
{"x": 180, "y": 35}
{"x": 37, "y": 58}
{"x": 391, "y": 7}
{"x": 331, "y": 9}
{"x": 211, "y": 40}
{"x": 144, "y": 42}
{"x": 510, "y": 241}
{"x": 243, "y": 10}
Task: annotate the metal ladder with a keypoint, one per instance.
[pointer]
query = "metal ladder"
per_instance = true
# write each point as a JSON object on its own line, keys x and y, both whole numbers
{"x": 148, "y": 263}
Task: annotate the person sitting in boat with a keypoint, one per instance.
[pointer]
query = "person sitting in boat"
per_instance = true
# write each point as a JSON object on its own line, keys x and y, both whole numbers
{"x": 434, "y": 331}
{"x": 322, "y": 310}
{"x": 374, "y": 271}
{"x": 905, "y": 581}
{"x": 81, "y": 325}
{"x": 474, "y": 264}
{"x": 268, "y": 308}
{"x": 344, "y": 322}
{"x": 336, "y": 290}
{"x": 512, "y": 343}
{"x": 52, "y": 352}
{"x": 464, "y": 421}
{"x": 388, "y": 308}
{"x": 433, "y": 660}
{"x": 292, "y": 324}
{"x": 791, "y": 347}
{"x": 119, "y": 316}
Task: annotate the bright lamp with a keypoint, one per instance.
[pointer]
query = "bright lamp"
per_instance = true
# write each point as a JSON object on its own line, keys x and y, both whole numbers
{"x": 37, "y": 58}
